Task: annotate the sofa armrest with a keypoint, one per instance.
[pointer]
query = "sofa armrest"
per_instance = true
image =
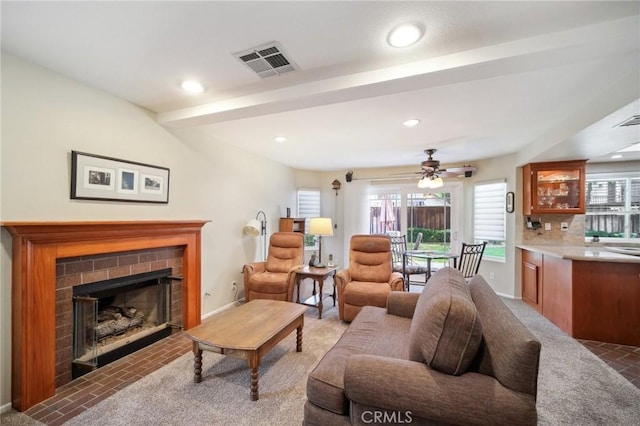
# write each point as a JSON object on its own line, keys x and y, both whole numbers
{"x": 409, "y": 386}
{"x": 402, "y": 304}
{"x": 396, "y": 282}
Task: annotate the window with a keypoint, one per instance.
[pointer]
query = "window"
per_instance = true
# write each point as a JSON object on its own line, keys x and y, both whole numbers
{"x": 612, "y": 207}
{"x": 308, "y": 206}
{"x": 384, "y": 212}
{"x": 489, "y": 218}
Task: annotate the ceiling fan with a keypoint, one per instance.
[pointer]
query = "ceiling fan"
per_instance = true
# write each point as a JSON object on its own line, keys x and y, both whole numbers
{"x": 432, "y": 174}
{"x": 430, "y": 168}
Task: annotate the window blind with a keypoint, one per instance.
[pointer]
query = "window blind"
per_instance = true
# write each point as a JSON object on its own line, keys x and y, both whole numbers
{"x": 489, "y": 212}
{"x": 308, "y": 206}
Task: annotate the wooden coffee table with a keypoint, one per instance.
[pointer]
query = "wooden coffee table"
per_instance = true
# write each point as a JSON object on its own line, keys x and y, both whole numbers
{"x": 247, "y": 332}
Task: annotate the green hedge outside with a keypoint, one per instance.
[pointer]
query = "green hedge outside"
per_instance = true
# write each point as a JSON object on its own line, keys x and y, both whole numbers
{"x": 429, "y": 235}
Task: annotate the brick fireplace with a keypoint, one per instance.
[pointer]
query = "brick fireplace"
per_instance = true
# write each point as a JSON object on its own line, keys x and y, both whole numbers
{"x": 75, "y": 272}
{"x": 39, "y": 250}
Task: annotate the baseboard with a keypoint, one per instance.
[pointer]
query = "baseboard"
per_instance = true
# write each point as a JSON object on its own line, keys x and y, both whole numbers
{"x": 216, "y": 311}
{"x": 508, "y": 296}
{"x": 5, "y": 408}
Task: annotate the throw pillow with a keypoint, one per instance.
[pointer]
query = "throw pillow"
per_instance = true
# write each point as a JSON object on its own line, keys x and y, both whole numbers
{"x": 445, "y": 330}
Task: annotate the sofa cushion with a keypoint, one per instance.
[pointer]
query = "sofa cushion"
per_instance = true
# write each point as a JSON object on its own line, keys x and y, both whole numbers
{"x": 372, "y": 332}
{"x": 445, "y": 330}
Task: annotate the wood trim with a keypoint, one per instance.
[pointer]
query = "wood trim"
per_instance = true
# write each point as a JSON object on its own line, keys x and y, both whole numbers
{"x": 532, "y": 286}
{"x": 37, "y": 245}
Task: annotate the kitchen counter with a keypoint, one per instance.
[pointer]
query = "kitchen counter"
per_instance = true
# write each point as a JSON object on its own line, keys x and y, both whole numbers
{"x": 587, "y": 291}
{"x": 585, "y": 253}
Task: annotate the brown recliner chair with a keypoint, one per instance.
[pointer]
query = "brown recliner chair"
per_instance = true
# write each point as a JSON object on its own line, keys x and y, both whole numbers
{"x": 369, "y": 278}
{"x": 275, "y": 279}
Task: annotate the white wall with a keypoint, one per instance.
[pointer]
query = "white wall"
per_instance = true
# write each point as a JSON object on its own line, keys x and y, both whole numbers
{"x": 506, "y": 275}
{"x": 45, "y": 116}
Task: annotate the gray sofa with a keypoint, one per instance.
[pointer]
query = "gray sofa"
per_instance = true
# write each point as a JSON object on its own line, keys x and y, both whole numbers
{"x": 453, "y": 354}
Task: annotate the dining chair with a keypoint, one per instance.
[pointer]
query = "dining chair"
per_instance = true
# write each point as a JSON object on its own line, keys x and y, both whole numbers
{"x": 470, "y": 257}
{"x": 410, "y": 266}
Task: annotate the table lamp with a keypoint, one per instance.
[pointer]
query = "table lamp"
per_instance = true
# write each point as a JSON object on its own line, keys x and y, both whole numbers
{"x": 322, "y": 227}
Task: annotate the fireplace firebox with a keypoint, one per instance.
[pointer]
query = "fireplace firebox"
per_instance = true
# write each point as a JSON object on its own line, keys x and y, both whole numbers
{"x": 115, "y": 317}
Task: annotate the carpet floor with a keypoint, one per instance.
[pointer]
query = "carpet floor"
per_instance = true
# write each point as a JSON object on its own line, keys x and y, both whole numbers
{"x": 575, "y": 387}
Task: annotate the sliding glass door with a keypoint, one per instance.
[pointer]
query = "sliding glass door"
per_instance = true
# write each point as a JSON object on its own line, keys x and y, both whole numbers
{"x": 404, "y": 209}
{"x": 429, "y": 214}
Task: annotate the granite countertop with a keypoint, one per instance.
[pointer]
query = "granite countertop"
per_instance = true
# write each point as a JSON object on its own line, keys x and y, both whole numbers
{"x": 589, "y": 253}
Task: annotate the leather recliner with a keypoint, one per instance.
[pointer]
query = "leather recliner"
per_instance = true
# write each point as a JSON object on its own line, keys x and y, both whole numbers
{"x": 369, "y": 278}
{"x": 275, "y": 278}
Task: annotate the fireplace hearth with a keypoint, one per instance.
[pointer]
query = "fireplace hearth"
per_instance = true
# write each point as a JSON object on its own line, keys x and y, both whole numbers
{"x": 113, "y": 318}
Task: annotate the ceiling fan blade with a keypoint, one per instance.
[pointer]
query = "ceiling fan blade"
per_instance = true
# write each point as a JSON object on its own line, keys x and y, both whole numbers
{"x": 460, "y": 169}
{"x": 464, "y": 171}
{"x": 405, "y": 173}
{"x": 447, "y": 173}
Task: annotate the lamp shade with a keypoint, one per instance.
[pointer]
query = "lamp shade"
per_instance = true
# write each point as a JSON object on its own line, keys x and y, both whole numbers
{"x": 252, "y": 228}
{"x": 430, "y": 182}
{"x": 320, "y": 226}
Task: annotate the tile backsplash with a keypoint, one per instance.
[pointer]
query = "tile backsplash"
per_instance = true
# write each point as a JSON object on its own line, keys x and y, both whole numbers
{"x": 573, "y": 235}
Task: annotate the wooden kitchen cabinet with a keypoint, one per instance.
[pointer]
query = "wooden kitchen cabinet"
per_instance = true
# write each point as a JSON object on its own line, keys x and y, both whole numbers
{"x": 532, "y": 279}
{"x": 554, "y": 187}
{"x": 290, "y": 224}
{"x": 587, "y": 299}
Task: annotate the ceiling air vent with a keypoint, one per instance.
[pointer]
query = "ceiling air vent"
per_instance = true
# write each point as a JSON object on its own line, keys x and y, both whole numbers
{"x": 267, "y": 60}
{"x": 633, "y": 121}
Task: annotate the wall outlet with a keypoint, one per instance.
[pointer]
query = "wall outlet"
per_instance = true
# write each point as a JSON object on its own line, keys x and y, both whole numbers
{"x": 492, "y": 276}
{"x": 547, "y": 226}
{"x": 564, "y": 226}
{"x": 234, "y": 286}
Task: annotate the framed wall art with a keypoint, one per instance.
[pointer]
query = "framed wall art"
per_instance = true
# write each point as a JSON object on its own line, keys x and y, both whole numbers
{"x": 96, "y": 177}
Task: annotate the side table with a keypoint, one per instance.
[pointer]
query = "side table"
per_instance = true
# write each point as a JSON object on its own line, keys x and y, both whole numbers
{"x": 317, "y": 274}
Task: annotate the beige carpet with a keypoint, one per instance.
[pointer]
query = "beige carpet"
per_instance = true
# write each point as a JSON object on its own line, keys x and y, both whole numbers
{"x": 574, "y": 387}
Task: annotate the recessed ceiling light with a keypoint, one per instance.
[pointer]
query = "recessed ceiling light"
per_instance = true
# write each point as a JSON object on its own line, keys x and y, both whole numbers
{"x": 616, "y": 156}
{"x": 405, "y": 35}
{"x": 280, "y": 139}
{"x": 192, "y": 86}
{"x": 412, "y": 122}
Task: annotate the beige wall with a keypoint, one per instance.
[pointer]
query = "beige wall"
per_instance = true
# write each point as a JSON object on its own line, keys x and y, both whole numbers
{"x": 45, "y": 116}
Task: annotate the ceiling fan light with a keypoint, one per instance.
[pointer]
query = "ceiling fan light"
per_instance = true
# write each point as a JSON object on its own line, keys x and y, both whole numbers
{"x": 437, "y": 182}
{"x": 423, "y": 182}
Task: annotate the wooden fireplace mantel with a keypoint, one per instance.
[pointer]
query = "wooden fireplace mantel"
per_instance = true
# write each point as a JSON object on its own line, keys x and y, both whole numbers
{"x": 35, "y": 248}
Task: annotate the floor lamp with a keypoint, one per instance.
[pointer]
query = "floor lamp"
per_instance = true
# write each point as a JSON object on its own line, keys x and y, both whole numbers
{"x": 322, "y": 227}
{"x": 257, "y": 227}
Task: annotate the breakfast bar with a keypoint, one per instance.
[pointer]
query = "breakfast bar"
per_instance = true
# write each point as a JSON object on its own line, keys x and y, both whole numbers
{"x": 590, "y": 292}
